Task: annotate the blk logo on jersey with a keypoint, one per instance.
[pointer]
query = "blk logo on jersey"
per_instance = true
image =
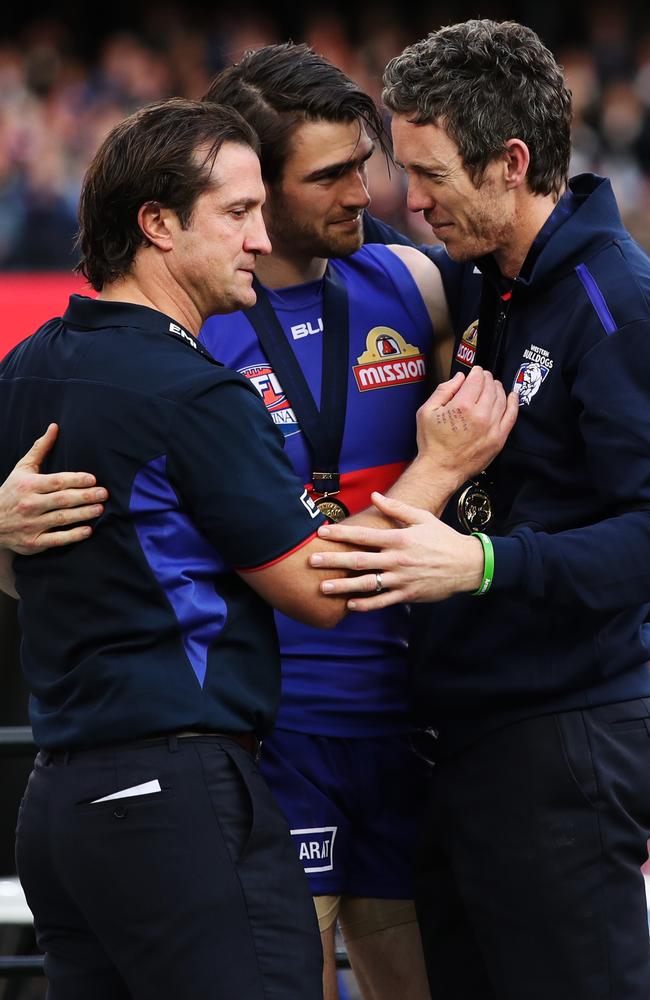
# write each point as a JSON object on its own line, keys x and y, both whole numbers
{"x": 388, "y": 360}
{"x": 466, "y": 352}
{"x": 265, "y": 381}
{"x": 316, "y": 847}
{"x": 301, "y": 330}
{"x": 532, "y": 373}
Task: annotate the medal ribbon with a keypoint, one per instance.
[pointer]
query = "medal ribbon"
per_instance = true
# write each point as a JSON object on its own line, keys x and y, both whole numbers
{"x": 323, "y": 427}
{"x": 474, "y": 505}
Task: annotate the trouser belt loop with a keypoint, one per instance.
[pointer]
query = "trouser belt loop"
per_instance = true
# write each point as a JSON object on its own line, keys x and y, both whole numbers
{"x": 172, "y": 743}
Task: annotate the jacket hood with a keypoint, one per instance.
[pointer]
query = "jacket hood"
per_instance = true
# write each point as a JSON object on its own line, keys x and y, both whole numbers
{"x": 594, "y": 223}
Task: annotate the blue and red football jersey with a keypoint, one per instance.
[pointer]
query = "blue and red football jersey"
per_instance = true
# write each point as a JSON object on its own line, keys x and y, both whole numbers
{"x": 351, "y": 680}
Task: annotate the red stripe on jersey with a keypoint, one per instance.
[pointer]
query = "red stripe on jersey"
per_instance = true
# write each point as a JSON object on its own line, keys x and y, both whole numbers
{"x": 357, "y": 486}
{"x": 274, "y": 562}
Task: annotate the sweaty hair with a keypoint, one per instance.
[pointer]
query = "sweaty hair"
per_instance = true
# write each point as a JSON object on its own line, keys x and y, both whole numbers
{"x": 486, "y": 82}
{"x": 163, "y": 153}
{"x": 279, "y": 87}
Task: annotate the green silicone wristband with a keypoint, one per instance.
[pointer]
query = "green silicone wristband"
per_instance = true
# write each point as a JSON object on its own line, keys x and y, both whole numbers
{"x": 488, "y": 563}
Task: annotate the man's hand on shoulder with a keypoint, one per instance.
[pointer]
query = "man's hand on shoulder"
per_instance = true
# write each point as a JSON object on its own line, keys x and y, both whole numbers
{"x": 39, "y": 512}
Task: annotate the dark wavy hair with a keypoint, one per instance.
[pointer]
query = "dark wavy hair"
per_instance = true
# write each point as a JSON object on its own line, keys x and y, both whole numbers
{"x": 149, "y": 157}
{"x": 279, "y": 87}
{"x": 486, "y": 82}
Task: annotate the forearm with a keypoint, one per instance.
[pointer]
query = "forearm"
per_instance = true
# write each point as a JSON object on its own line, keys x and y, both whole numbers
{"x": 425, "y": 486}
{"x": 420, "y": 485}
{"x": 7, "y": 578}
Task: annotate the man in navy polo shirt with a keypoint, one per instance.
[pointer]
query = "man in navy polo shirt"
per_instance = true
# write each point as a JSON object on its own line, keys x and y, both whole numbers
{"x": 159, "y": 867}
{"x": 152, "y": 855}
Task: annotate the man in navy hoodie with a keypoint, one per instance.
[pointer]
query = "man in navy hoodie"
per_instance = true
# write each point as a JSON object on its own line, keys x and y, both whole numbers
{"x": 531, "y": 684}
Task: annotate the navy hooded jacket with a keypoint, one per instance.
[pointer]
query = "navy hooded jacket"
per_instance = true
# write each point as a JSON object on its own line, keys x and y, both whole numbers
{"x": 562, "y": 626}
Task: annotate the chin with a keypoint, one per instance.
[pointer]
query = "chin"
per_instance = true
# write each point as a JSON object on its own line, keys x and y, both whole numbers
{"x": 247, "y": 298}
{"x": 241, "y": 299}
{"x": 345, "y": 246}
{"x": 461, "y": 254}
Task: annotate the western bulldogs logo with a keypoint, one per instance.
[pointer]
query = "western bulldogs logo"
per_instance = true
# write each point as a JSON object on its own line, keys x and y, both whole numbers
{"x": 528, "y": 381}
{"x": 273, "y": 396}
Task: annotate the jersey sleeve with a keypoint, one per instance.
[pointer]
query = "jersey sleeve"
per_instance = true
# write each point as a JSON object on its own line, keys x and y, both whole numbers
{"x": 228, "y": 466}
{"x": 606, "y": 565}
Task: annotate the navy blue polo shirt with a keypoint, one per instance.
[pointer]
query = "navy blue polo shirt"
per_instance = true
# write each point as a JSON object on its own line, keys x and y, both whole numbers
{"x": 145, "y": 628}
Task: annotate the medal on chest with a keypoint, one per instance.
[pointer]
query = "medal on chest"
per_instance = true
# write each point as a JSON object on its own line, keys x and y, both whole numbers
{"x": 322, "y": 426}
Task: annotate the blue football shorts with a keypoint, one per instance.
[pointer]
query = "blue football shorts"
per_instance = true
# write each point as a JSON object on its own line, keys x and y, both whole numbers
{"x": 354, "y": 807}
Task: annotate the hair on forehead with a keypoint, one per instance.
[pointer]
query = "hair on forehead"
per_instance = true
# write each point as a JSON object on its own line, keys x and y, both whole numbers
{"x": 280, "y": 87}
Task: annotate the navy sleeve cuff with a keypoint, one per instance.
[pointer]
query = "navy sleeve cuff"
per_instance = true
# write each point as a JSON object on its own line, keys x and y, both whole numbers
{"x": 509, "y": 563}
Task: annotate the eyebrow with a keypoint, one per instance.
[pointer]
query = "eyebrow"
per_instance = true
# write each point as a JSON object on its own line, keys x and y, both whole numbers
{"x": 427, "y": 168}
{"x": 242, "y": 203}
{"x": 332, "y": 169}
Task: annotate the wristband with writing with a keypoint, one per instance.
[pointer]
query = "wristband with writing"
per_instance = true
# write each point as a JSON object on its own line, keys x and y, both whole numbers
{"x": 488, "y": 564}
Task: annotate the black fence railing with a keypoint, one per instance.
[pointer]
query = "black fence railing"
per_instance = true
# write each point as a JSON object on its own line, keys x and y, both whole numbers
{"x": 14, "y": 739}
{"x": 21, "y": 966}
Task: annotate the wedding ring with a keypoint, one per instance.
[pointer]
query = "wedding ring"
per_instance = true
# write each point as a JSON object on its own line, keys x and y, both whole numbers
{"x": 378, "y": 588}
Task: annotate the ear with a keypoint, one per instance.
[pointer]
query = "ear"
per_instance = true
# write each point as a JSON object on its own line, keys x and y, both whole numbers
{"x": 517, "y": 160}
{"x": 157, "y": 224}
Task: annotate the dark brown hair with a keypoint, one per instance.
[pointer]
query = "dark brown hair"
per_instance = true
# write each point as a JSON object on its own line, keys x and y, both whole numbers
{"x": 279, "y": 87}
{"x": 149, "y": 157}
{"x": 486, "y": 82}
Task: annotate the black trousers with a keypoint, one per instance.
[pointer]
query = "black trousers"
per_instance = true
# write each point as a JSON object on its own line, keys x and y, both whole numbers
{"x": 527, "y": 883}
{"x": 191, "y": 892}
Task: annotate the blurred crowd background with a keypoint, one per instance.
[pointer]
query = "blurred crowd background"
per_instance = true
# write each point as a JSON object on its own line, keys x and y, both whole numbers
{"x": 63, "y": 85}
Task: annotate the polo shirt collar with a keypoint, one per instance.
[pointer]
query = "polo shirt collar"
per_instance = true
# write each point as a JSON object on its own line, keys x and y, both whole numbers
{"x": 101, "y": 313}
{"x": 96, "y": 314}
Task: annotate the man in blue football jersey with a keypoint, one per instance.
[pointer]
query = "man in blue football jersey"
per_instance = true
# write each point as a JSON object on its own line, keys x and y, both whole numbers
{"x": 339, "y": 346}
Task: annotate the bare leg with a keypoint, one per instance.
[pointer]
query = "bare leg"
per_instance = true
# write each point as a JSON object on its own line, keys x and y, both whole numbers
{"x": 327, "y": 908}
{"x": 387, "y": 961}
{"x": 330, "y": 983}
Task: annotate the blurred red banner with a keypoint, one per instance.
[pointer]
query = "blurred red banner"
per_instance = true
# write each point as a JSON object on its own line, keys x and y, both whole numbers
{"x": 29, "y": 300}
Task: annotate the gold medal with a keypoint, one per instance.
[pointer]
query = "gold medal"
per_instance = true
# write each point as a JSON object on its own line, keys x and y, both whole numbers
{"x": 474, "y": 508}
{"x": 331, "y": 507}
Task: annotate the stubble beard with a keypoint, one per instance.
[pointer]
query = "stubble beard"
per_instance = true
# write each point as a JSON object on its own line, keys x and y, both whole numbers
{"x": 296, "y": 239}
{"x": 483, "y": 236}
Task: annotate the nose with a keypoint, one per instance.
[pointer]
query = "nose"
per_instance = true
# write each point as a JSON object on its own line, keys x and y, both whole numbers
{"x": 257, "y": 239}
{"x": 417, "y": 199}
{"x": 355, "y": 193}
